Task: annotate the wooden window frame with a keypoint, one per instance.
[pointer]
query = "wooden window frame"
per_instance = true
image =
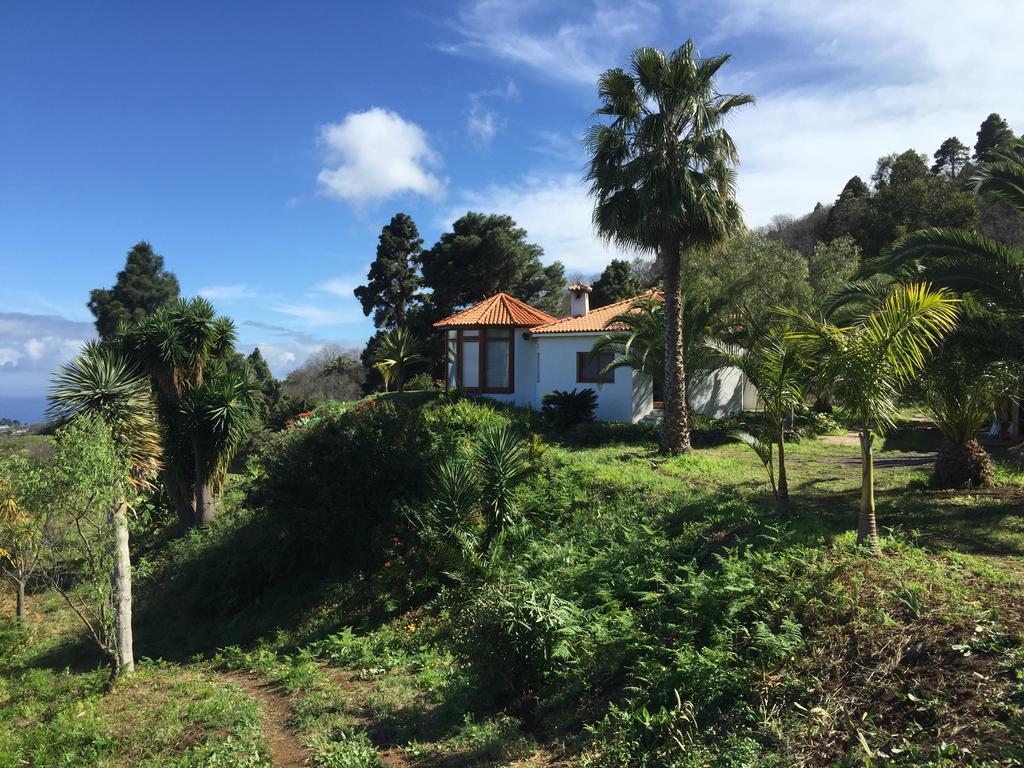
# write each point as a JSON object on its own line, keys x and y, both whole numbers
{"x": 482, "y": 336}
{"x": 582, "y": 358}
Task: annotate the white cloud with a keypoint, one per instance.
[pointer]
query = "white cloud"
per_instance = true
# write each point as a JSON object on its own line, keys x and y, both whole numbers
{"x": 839, "y": 83}
{"x": 314, "y": 315}
{"x": 570, "y": 50}
{"x": 376, "y": 154}
{"x": 483, "y": 122}
{"x": 342, "y": 287}
{"x": 556, "y": 213}
{"x": 227, "y": 293}
{"x": 32, "y": 346}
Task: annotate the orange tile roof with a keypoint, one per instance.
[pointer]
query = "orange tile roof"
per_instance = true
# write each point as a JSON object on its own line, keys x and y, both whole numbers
{"x": 499, "y": 310}
{"x": 595, "y": 320}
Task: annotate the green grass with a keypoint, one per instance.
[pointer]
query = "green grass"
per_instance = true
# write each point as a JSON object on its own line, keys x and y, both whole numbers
{"x": 695, "y": 615}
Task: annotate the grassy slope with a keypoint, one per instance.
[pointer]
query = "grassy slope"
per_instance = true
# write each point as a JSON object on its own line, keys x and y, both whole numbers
{"x": 898, "y": 656}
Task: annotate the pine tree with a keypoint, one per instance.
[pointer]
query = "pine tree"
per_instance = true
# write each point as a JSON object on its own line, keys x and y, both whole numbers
{"x": 271, "y": 386}
{"x": 142, "y": 287}
{"x": 950, "y": 158}
{"x": 617, "y": 282}
{"x": 994, "y": 133}
{"x": 844, "y": 216}
{"x": 393, "y": 280}
{"x": 485, "y": 254}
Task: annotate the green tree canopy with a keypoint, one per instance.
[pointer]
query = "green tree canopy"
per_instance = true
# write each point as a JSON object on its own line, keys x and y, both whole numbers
{"x": 393, "y": 280}
{"x": 753, "y": 274}
{"x": 993, "y": 134}
{"x": 951, "y": 157}
{"x": 831, "y": 265}
{"x": 484, "y": 254}
{"x": 907, "y": 198}
{"x": 618, "y": 281}
{"x": 142, "y": 287}
{"x": 844, "y": 216}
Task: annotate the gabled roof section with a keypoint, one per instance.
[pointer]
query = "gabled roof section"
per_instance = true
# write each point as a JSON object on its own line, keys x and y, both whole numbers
{"x": 596, "y": 320}
{"x": 500, "y": 310}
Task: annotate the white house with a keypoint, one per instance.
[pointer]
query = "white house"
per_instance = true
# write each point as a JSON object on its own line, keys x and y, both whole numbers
{"x": 505, "y": 349}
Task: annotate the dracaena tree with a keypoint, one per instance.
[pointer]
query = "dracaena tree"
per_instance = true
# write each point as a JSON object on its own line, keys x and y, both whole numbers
{"x": 182, "y": 349}
{"x": 663, "y": 180}
{"x": 865, "y": 365}
{"x": 101, "y": 384}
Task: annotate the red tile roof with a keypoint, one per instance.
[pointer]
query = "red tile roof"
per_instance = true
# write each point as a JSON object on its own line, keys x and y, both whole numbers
{"x": 596, "y": 320}
{"x": 499, "y": 310}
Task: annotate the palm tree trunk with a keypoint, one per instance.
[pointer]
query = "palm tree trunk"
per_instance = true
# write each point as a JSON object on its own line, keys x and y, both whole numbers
{"x": 783, "y": 490}
{"x": 675, "y": 431}
{"x": 206, "y": 505}
{"x": 867, "y": 528}
{"x": 121, "y": 588}
{"x": 20, "y": 603}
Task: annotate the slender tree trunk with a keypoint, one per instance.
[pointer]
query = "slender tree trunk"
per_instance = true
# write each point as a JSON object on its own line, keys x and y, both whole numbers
{"x": 121, "y": 591}
{"x": 20, "y": 602}
{"x": 675, "y": 429}
{"x": 206, "y": 504}
{"x": 783, "y": 491}
{"x": 867, "y": 528}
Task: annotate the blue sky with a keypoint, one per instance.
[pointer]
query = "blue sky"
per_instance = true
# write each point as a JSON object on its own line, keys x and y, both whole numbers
{"x": 261, "y": 146}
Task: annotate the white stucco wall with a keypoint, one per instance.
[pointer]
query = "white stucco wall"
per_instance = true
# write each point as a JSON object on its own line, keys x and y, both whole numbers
{"x": 718, "y": 393}
{"x": 558, "y": 371}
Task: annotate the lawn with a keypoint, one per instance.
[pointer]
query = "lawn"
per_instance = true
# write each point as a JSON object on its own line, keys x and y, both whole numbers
{"x": 362, "y": 679}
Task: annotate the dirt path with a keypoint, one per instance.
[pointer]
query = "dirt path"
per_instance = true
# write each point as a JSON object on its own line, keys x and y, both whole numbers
{"x": 286, "y": 750}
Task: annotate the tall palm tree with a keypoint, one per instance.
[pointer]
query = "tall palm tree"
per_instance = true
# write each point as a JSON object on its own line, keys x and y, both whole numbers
{"x": 175, "y": 347}
{"x": 662, "y": 175}
{"x": 102, "y": 383}
{"x": 776, "y": 364}
{"x": 640, "y": 341}
{"x": 865, "y": 366}
{"x": 399, "y": 350}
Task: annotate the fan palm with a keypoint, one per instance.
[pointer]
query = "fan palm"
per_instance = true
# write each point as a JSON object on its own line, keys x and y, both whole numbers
{"x": 103, "y": 384}
{"x": 776, "y": 365}
{"x": 865, "y": 366}
{"x": 398, "y": 351}
{"x": 661, "y": 172}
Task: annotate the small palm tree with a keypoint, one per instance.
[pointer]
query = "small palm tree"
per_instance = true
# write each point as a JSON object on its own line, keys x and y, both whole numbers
{"x": 399, "y": 350}
{"x": 776, "y": 365}
{"x": 101, "y": 383}
{"x": 640, "y": 341}
{"x": 959, "y": 389}
{"x": 661, "y": 172}
{"x": 866, "y": 365}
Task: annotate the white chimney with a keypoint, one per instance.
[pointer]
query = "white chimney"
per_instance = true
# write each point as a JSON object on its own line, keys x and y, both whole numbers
{"x": 579, "y": 299}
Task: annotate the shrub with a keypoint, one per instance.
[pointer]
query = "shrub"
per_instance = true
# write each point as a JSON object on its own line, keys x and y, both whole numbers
{"x": 517, "y": 638}
{"x": 455, "y": 426}
{"x": 564, "y": 409}
{"x": 340, "y": 475}
{"x": 421, "y": 381}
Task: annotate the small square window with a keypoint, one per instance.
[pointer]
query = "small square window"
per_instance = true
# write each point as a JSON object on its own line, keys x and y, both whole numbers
{"x": 589, "y": 367}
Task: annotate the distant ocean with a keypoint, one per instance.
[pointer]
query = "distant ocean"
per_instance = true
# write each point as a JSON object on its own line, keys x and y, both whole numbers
{"x": 28, "y": 410}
